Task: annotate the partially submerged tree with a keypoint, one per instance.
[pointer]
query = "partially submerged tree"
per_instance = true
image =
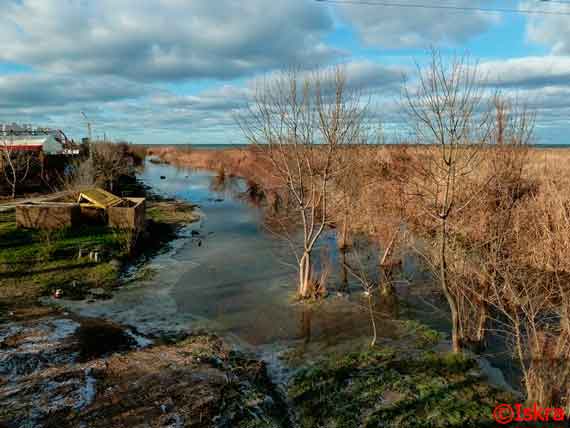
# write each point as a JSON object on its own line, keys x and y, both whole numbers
{"x": 507, "y": 185}
{"x": 15, "y": 165}
{"x": 451, "y": 121}
{"x": 299, "y": 121}
{"x": 531, "y": 297}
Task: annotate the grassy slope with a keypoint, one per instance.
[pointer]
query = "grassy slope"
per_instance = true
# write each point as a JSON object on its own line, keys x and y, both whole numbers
{"x": 35, "y": 263}
{"x": 390, "y": 389}
{"x": 404, "y": 384}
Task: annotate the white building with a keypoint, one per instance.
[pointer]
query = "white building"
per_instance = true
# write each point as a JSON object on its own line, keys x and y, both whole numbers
{"x": 23, "y": 138}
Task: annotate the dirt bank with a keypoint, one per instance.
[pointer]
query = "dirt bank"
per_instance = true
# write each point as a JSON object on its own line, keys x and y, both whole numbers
{"x": 71, "y": 372}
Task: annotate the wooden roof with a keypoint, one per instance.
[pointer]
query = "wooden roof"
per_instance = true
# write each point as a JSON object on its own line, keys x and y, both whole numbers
{"x": 100, "y": 198}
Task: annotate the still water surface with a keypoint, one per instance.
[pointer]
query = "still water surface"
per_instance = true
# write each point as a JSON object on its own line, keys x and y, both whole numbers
{"x": 227, "y": 274}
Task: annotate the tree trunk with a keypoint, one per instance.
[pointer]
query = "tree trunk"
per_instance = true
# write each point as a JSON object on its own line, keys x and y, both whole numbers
{"x": 14, "y": 180}
{"x": 305, "y": 275}
{"x": 384, "y": 261}
{"x": 343, "y": 242}
{"x": 372, "y": 320}
{"x": 455, "y": 322}
{"x": 481, "y": 324}
{"x": 344, "y": 271}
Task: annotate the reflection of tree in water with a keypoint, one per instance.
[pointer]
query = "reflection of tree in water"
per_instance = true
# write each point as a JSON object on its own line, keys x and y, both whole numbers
{"x": 362, "y": 263}
{"x": 306, "y": 318}
{"x": 358, "y": 268}
{"x": 254, "y": 194}
{"x": 233, "y": 187}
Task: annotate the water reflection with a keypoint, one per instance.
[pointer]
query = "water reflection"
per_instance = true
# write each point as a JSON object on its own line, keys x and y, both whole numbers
{"x": 240, "y": 281}
{"x": 226, "y": 185}
{"x": 306, "y": 316}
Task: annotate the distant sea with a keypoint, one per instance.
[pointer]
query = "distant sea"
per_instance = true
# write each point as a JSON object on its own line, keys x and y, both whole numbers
{"x": 552, "y": 146}
{"x": 230, "y": 146}
{"x": 200, "y": 146}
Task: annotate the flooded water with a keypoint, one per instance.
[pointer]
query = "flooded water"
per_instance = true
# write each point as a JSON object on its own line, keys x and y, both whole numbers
{"x": 228, "y": 275}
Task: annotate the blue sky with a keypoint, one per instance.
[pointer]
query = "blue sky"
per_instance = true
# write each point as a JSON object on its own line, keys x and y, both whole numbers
{"x": 178, "y": 71}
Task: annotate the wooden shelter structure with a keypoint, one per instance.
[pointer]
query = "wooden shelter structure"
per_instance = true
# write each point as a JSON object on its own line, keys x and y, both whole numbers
{"x": 99, "y": 198}
{"x": 93, "y": 205}
{"x": 48, "y": 215}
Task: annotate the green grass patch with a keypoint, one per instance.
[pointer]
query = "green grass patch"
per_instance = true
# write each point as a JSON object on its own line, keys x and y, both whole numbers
{"x": 424, "y": 336}
{"x": 35, "y": 263}
{"x": 171, "y": 212}
{"x": 389, "y": 388}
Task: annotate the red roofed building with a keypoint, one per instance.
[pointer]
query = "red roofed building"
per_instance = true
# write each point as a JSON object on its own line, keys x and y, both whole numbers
{"x": 45, "y": 142}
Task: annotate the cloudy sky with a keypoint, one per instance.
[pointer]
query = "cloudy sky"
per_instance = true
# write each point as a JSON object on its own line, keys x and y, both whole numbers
{"x": 176, "y": 71}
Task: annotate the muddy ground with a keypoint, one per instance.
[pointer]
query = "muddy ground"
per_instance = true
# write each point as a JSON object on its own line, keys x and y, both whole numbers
{"x": 72, "y": 372}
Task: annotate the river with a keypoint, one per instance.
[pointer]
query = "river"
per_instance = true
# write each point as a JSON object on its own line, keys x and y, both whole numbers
{"x": 227, "y": 274}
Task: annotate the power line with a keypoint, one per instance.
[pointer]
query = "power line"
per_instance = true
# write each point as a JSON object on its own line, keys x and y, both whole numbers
{"x": 446, "y": 7}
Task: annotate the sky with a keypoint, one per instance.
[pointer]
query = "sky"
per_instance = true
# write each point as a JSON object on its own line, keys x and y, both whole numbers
{"x": 178, "y": 71}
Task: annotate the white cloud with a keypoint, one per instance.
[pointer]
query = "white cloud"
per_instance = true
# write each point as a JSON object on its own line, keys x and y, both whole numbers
{"x": 552, "y": 31}
{"x": 44, "y": 89}
{"x": 406, "y": 27}
{"x": 164, "y": 39}
{"x": 528, "y": 72}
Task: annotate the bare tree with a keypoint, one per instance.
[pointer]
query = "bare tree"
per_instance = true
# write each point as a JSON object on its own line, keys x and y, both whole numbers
{"x": 531, "y": 297}
{"x": 361, "y": 272}
{"x": 110, "y": 162}
{"x": 507, "y": 161}
{"x": 16, "y": 164}
{"x": 450, "y": 117}
{"x": 299, "y": 121}
{"x": 106, "y": 164}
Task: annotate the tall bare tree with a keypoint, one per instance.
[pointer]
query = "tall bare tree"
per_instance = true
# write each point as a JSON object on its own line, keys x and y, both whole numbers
{"x": 450, "y": 116}
{"x": 110, "y": 161}
{"x": 508, "y": 185}
{"x": 530, "y": 294}
{"x": 299, "y": 121}
{"x": 15, "y": 164}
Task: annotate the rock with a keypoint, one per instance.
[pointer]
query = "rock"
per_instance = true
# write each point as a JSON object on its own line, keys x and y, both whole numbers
{"x": 115, "y": 263}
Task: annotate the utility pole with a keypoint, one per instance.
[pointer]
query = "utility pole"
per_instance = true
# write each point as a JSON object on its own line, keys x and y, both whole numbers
{"x": 88, "y": 133}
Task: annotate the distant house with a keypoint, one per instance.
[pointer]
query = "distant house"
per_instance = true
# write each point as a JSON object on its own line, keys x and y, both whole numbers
{"x": 47, "y": 143}
{"x": 46, "y": 153}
